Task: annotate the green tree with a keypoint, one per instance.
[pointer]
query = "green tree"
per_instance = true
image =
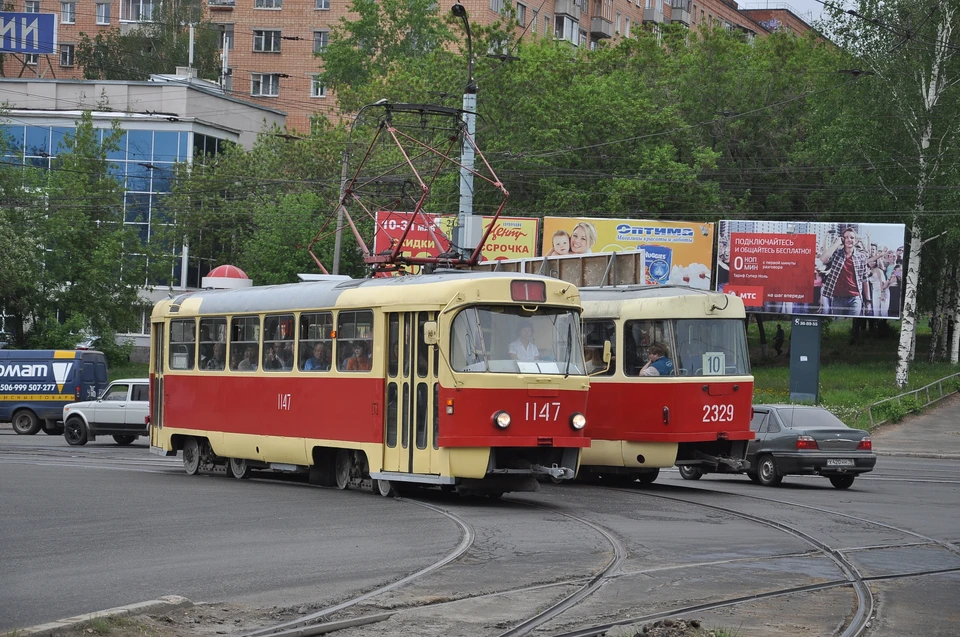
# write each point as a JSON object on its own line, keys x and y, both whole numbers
{"x": 153, "y": 47}
{"x": 905, "y": 128}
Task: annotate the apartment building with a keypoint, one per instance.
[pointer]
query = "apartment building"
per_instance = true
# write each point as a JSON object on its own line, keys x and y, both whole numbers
{"x": 270, "y": 45}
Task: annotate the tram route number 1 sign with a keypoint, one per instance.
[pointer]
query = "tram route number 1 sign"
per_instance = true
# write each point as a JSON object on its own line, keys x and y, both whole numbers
{"x": 777, "y": 268}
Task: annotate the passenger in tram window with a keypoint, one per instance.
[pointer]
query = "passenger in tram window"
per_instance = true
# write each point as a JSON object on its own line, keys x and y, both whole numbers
{"x": 320, "y": 361}
{"x": 218, "y": 361}
{"x": 249, "y": 362}
{"x": 286, "y": 355}
{"x": 659, "y": 363}
{"x": 360, "y": 361}
{"x": 270, "y": 360}
{"x": 524, "y": 349}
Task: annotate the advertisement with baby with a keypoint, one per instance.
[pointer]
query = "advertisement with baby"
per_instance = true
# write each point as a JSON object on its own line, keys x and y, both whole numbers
{"x": 676, "y": 252}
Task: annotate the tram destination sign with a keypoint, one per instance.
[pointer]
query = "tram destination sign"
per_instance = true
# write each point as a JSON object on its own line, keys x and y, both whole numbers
{"x": 825, "y": 269}
{"x": 33, "y": 33}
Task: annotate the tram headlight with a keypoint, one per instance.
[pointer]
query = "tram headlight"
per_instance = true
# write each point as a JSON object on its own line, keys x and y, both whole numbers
{"x": 501, "y": 419}
{"x": 578, "y": 421}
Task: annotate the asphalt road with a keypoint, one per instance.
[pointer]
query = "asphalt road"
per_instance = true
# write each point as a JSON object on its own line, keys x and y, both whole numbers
{"x": 101, "y": 526}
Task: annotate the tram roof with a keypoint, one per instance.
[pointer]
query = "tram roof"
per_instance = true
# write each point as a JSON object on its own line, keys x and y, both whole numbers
{"x": 437, "y": 287}
{"x": 658, "y": 302}
{"x": 622, "y": 292}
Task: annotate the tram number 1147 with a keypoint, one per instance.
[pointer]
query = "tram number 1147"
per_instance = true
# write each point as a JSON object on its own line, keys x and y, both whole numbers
{"x": 543, "y": 411}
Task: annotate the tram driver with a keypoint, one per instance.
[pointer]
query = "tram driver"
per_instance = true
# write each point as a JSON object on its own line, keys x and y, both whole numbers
{"x": 524, "y": 349}
{"x": 659, "y": 363}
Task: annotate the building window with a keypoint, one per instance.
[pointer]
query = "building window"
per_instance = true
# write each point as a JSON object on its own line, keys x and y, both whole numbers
{"x": 226, "y": 37}
{"x": 31, "y": 59}
{"x": 619, "y": 17}
{"x": 265, "y": 84}
{"x": 323, "y": 5}
{"x": 522, "y": 14}
{"x": 103, "y": 13}
{"x": 66, "y": 55}
{"x": 268, "y": 4}
{"x": 626, "y": 28}
{"x": 317, "y": 89}
{"x": 320, "y": 41}
{"x": 227, "y": 81}
{"x": 68, "y": 12}
{"x": 266, "y": 41}
{"x": 546, "y": 25}
{"x": 533, "y": 21}
{"x": 566, "y": 28}
{"x": 136, "y": 10}
{"x": 496, "y": 5}
{"x": 31, "y": 6}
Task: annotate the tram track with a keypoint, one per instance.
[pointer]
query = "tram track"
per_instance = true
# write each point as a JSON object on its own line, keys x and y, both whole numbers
{"x": 467, "y": 538}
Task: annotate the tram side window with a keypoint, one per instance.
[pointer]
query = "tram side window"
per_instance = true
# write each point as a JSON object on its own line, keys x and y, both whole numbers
{"x": 244, "y": 343}
{"x": 638, "y": 338}
{"x": 213, "y": 344}
{"x": 277, "y": 343}
{"x": 355, "y": 341}
{"x": 316, "y": 343}
{"x": 595, "y": 334}
{"x": 183, "y": 342}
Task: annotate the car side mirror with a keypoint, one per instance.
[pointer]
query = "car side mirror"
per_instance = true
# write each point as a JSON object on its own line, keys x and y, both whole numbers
{"x": 431, "y": 334}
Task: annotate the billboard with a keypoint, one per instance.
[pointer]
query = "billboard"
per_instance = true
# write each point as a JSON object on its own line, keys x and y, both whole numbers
{"x": 828, "y": 269}
{"x": 28, "y": 33}
{"x": 676, "y": 252}
{"x": 511, "y": 237}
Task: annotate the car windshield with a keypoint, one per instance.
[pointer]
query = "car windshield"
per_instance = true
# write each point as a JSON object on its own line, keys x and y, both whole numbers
{"x": 512, "y": 339}
{"x": 798, "y": 418}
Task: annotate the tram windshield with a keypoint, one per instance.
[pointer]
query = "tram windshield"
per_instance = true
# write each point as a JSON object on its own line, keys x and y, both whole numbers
{"x": 711, "y": 347}
{"x": 512, "y": 340}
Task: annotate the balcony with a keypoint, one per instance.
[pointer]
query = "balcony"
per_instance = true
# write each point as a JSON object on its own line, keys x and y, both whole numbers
{"x": 601, "y": 27}
{"x": 567, "y": 7}
{"x": 653, "y": 15}
{"x": 221, "y": 5}
{"x": 679, "y": 15}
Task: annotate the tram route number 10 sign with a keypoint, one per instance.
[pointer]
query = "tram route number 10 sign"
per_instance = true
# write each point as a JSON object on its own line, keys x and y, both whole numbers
{"x": 775, "y": 268}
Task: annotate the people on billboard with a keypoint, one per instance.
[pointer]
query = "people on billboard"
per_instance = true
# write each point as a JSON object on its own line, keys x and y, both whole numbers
{"x": 561, "y": 243}
{"x": 846, "y": 284}
{"x": 893, "y": 289}
{"x": 582, "y": 238}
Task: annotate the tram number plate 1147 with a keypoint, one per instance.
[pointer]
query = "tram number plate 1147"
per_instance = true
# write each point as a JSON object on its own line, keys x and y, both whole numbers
{"x": 543, "y": 411}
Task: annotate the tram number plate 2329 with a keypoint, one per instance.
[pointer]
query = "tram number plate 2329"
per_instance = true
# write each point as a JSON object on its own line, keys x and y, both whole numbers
{"x": 542, "y": 411}
{"x": 718, "y": 413}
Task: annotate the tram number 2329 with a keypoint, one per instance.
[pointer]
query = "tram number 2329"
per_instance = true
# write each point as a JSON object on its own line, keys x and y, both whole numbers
{"x": 718, "y": 413}
{"x": 542, "y": 411}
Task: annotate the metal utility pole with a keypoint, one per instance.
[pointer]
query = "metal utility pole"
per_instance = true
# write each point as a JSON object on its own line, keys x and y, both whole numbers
{"x": 338, "y": 237}
{"x": 469, "y": 227}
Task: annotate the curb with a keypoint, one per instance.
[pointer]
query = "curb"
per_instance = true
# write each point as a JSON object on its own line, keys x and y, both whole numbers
{"x": 919, "y": 454}
{"x": 165, "y": 604}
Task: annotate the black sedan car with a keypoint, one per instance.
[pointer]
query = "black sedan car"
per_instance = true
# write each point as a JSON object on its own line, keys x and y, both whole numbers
{"x": 802, "y": 440}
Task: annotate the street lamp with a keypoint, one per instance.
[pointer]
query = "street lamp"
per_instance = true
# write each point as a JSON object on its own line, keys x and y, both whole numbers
{"x": 468, "y": 228}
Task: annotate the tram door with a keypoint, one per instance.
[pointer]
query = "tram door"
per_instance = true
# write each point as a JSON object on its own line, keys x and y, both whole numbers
{"x": 156, "y": 409}
{"x": 411, "y": 395}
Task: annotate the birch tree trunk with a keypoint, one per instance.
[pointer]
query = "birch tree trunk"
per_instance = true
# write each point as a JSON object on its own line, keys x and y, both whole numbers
{"x": 955, "y": 343}
{"x": 936, "y": 321}
{"x": 948, "y": 296}
{"x": 908, "y": 327}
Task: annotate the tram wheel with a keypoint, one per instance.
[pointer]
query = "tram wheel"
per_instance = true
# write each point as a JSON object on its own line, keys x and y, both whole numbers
{"x": 238, "y": 468}
{"x": 648, "y": 477}
{"x": 343, "y": 465}
{"x": 384, "y": 488}
{"x": 191, "y": 456}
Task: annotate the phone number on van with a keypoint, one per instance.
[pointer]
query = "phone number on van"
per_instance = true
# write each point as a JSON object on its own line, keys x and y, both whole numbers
{"x": 29, "y": 387}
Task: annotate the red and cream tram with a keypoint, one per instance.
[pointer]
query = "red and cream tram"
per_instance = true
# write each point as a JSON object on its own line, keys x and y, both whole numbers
{"x": 697, "y": 415}
{"x": 397, "y": 380}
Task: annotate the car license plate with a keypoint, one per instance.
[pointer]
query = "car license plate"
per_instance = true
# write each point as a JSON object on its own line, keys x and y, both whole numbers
{"x": 840, "y": 463}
